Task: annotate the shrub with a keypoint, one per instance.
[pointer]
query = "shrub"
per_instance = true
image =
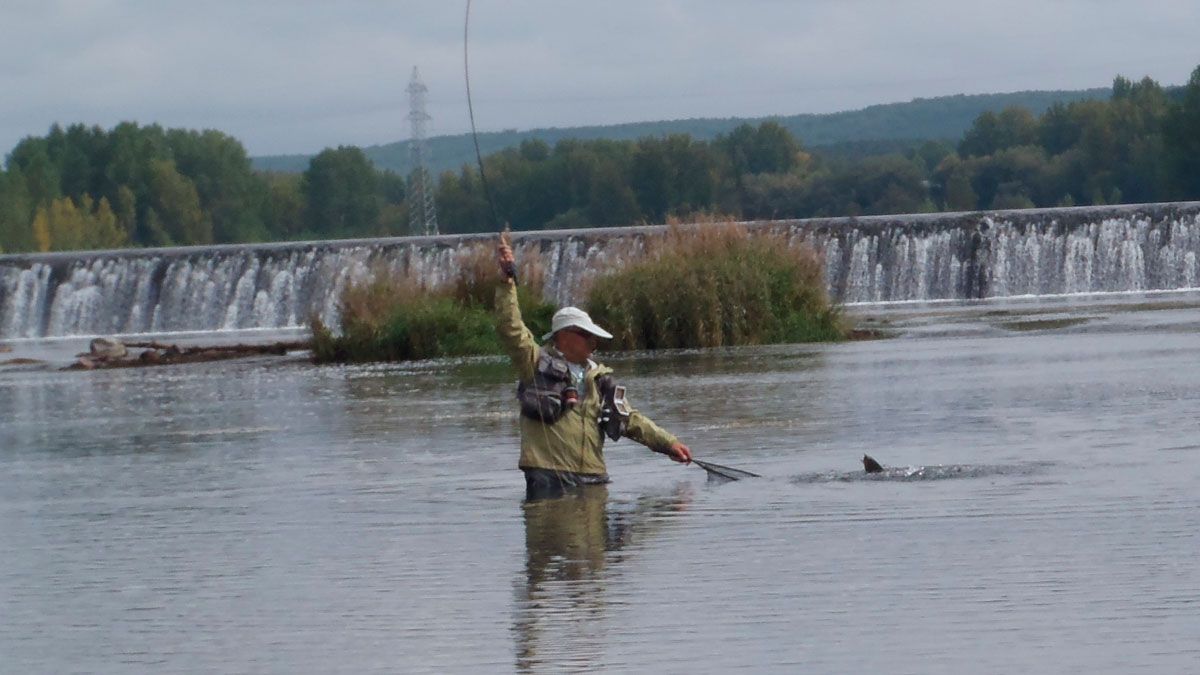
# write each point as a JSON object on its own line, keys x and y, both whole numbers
{"x": 426, "y": 325}
{"x": 715, "y": 285}
{"x": 391, "y": 318}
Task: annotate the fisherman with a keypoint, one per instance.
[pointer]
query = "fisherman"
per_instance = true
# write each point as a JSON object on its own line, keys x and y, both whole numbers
{"x": 569, "y": 403}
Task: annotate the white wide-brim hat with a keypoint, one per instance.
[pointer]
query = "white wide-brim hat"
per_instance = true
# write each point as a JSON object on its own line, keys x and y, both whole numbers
{"x": 573, "y": 317}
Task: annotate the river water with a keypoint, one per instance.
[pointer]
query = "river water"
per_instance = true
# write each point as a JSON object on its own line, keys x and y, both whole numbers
{"x": 1040, "y": 512}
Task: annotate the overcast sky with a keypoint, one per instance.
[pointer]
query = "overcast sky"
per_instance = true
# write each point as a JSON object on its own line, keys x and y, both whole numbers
{"x": 289, "y": 76}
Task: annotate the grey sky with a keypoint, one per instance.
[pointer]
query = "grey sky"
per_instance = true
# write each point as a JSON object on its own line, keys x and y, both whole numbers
{"x": 298, "y": 75}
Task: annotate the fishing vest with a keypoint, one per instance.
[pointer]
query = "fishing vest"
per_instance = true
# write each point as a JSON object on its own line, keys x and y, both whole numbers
{"x": 542, "y": 399}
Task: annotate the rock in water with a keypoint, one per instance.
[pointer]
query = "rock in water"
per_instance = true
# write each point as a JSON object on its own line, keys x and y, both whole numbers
{"x": 871, "y": 465}
{"x": 5, "y": 349}
{"x": 22, "y": 362}
{"x": 108, "y": 348}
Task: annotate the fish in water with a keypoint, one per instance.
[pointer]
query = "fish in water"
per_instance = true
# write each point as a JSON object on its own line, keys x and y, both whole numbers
{"x": 871, "y": 465}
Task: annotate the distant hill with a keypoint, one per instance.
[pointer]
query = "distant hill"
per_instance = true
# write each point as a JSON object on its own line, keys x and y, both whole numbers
{"x": 895, "y": 124}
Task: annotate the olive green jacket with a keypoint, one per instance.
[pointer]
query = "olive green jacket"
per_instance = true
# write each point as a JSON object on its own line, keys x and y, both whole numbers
{"x": 573, "y": 443}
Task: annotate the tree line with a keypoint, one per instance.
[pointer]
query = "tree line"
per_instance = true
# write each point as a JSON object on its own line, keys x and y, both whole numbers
{"x": 1140, "y": 145}
{"x": 85, "y": 187}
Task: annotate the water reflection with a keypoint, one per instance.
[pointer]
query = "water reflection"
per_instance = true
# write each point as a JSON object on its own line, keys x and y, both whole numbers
{"x": 573, "y": 546}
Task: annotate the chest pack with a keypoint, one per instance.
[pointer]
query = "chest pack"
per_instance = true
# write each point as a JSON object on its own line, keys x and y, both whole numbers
{"x": 542, "y": 399}
{"x": 547, "y": 398}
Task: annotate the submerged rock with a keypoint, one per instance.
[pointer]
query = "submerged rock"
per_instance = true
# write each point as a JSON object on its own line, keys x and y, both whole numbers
{"x": 108, "y": 348}
{"x": 103, "y": 354}
{"x": 22, "y": 362}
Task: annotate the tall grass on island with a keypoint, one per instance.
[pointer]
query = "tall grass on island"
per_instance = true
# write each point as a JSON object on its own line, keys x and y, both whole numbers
{"x": 390, "y": 317}
{"x": 709, "y": 285}
{"x": 714, "y": 285}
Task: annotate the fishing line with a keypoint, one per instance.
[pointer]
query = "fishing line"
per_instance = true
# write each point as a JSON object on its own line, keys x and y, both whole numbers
{"x": 487, "y": 192}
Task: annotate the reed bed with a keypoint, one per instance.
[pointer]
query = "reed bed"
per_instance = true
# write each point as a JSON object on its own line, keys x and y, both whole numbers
{"x": 715, "y": 285}
{"x": 709, "y": 285}
{"x": 392, "y": 317}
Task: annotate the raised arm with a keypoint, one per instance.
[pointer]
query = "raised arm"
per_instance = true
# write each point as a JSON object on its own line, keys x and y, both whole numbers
{"x": 515, "y": 337}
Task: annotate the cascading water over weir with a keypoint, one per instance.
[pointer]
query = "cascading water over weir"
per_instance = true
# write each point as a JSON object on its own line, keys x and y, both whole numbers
{"x": 871, "y": 259}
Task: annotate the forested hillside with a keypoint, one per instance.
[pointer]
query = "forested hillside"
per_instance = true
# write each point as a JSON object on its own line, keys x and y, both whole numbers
{"x": 907, "y": 124}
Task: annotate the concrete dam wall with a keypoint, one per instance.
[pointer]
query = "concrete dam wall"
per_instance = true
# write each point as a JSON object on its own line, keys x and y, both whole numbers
{"x": 871, "y": 259}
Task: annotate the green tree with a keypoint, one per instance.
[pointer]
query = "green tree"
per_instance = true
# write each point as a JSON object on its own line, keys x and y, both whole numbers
{"x": 1014, "y": 172}
{"x": 930, "y": 154}
{"x": 534, "y": 150}
{"x": 16, "y": 212}
{"x": 891, "y": 184}
{"x": 1058, "y": 130}
{"x": 175, "y": 207}
{"x": 1139, "y": 114}
{"x": 652, "y": 179}
{"x": 340, "y": 191}
{"x": 393, "y": 211}
{"x": 992, "y": 132}
{"x": 1183, "y": 140}
{"x": 675, "y": 175}
{"x": 768, "y": 148}
{"x": 103, "y": 231}
{"x": 32, "y": 158}
{"x": 231, "y": 195}
{"x": 75, "y": 151}
{"x": 460, "y": 203}
{"x": 776, "y": 195}
{"x": 285, "y": 205}
{"x": 126, "y": 212}
{"x": 612, "y": 200}
{"x": 959, "y": 195}
{"x": 954, "y": 178}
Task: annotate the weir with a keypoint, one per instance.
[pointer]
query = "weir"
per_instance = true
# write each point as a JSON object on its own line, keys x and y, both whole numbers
{"x": 870, "y": 259}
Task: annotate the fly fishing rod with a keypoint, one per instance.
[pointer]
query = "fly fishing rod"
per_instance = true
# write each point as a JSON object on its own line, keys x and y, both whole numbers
{"x": 509, "y": 269}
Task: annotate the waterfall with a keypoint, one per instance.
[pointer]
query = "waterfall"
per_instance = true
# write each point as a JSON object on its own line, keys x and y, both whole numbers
{"x": 871, "y": 259}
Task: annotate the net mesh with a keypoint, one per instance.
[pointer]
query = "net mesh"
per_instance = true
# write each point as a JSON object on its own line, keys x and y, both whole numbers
{"x": 719, "y": 472}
